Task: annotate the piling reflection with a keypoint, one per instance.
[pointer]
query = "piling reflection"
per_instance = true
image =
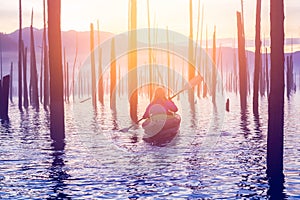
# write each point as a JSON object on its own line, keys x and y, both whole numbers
{"x": 5, "y": 126}
{"x": 57, "y": 174}
{"x": 276, "y": 188}
{"x": 252, "y": 159}
{"x": 244, "y": 121}
{"x": 114, "y": 120}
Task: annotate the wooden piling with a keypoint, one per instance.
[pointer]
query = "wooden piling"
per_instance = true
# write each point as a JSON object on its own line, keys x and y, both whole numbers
{"x": 24, "y": 56}
{"x": 46, "y": 61}
{"x": 33, "y": 71}
{"x": 276, "y": 97}
{"x": 214, "y": 72}
{"x": 11, "y": 83}
{"x": 132, "y": 61}
{"x": 93, "y": 72}
{"x": 41, "y": 73}
{"x": 242, "y": 61}
{"x": 20, "y": 60}
{"x": 257, "y": 67}
{"x": 191, "y": 70}
{"x": 113, "y": 76}
{"x": 100, "y": 77}
{"x": 149, "y": 55}
{"x": 267, "y": 72}
{"x": 4, "y": 91}
{"x": 57, "y": 126}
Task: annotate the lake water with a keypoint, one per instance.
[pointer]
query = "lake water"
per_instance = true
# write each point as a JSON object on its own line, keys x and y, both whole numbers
{"x": 99, "y": 162}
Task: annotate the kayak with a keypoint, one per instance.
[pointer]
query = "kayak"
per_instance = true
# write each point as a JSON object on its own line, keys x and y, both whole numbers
{"x": 161, "y": 129}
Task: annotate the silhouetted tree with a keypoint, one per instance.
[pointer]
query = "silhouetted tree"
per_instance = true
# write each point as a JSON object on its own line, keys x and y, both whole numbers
{"x": 57, "y": 127}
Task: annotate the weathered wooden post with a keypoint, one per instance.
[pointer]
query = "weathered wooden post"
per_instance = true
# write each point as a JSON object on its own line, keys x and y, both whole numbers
{"x": 93, "y": 72}
{"x": 267, "y": 72}
{"x": 132, "y": 61}
{"x": 100, "y": 77}
{"x": 41, "y": 73}
{"x": 46, "y": 62}
{"x": 242, "y": 61}
{"x": 64, "y": 73}
{"x": 57, "y": 126}
{"x": 214, "y": 72}
{"x": 11, "y": 83}
{"x": 191, "y": 70}
{"x": 149, "y": 54}
{"x": 168, "y": 63}
{"x": 4, "y": 91}
{"x": 24, "y": 55}
{"x": 67, "y": 84}
{"x": 289, "y": 75}
{"x": 113, "y": 76}
{"x": 33, "y": 92}
{"x": 257, "y": 67}
{"x": 206, "y": 62}
{"x": 20, "y": 58}
{"x": 276, "y": 97}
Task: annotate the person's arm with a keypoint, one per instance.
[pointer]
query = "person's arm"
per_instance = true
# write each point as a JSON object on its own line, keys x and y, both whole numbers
{"x": 147, "y": 113}
{"x": 171, "y": 106}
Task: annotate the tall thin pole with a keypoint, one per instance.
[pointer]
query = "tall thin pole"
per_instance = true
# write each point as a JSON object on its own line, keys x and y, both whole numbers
{"x": 168, "y": 59}
{"x": 191, "y": 70}
{"x": 11, "y": 83}
{"x": 132, "y": 61}
{"x": 24, "y": 55}
{"x": 57, "y": 126}
{"x": 149, "y": 54}
{"x": 214, "y": 68}
{"x": 93, "y": 72}
{"x": 1, "y": 72}
{"x": 257, "y": 68}
{"x": 33, "y": 71}
{"x": 20, "y": 57}
{"x": 113, "y": 76}
{"x": 100, "y": 77}
{"x": 73, "y": 69}
{"x": 242, "y": 61}
{"x": 46, "y": 62}
{"x": 276, "y": 97}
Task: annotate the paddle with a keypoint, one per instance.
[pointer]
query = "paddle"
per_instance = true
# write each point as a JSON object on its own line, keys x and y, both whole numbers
{"x": 193, "y": 82}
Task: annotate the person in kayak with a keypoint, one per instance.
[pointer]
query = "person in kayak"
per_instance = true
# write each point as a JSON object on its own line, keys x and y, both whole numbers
{"x": 160, "y": 104}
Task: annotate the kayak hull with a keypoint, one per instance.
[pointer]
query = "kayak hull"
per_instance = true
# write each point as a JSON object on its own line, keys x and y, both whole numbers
{"x": 160, "y": 130}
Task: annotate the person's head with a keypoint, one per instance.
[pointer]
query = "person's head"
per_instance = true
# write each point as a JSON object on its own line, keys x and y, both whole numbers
{"x": 160, "y": 93}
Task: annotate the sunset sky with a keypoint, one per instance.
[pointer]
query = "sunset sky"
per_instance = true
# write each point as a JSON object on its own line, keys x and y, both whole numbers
{"x": 78, "y": 14}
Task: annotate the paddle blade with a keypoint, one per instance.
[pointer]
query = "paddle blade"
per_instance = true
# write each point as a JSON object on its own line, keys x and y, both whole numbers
{"x": 124, "y": 130}
{"x": 127, "y": 129}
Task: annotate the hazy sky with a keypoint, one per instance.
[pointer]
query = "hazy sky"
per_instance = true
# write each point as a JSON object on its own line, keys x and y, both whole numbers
{"x": 78, "y": 14}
